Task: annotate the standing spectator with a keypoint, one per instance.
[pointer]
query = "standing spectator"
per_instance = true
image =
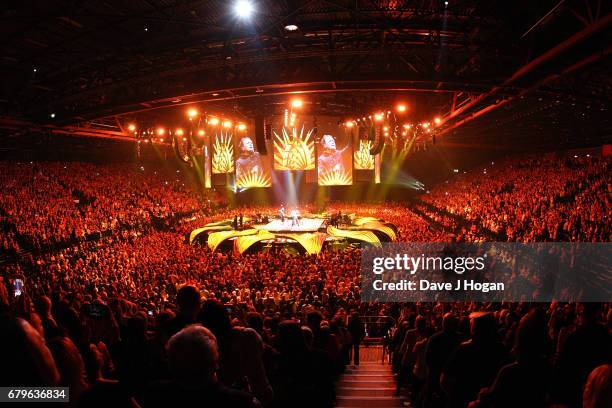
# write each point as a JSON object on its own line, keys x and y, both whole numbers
{"x": 357, "y": 330}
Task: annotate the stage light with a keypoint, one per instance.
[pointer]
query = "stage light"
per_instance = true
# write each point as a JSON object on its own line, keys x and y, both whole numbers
{"x": 437, "y": 120}
{"x": 215, "y": 94}
{"x": 161, "y": 140}
{"x": 241, "y": 126}
{"x": 227, "y": 124}
{"x": 401, "y": 107}
{"x": 132, "y": 127}
{"x": 296, "y": 103}
{"x": 213, "y": 121}
{"x": 425, "y": 125}
{"x": 378, "y": 117}
{"x": 291, "y": 27}
{"x": 161, "y": 131}
{"x": 201, "y": 132}
{"x": 385, "y": 128}
{"x": 192, "y": 113}
{"x": 179, "y": 132}
{"x": 350, "y": 124}
{"x": 52, "y": 115}
{"x": 446, "y": 3}
{"x": 406, "y": 125}
{"x": 244, "y": 9}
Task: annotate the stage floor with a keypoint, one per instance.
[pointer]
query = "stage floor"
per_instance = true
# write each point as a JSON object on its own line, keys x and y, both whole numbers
{"x": 306, "y": 225}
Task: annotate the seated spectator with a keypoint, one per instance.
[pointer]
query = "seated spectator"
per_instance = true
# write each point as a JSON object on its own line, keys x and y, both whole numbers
{"x": 193, "y": 359}
{"x": 475, "y": 363}
{"x": 598, "y": 388}
{"x": 527, "y": 382}
{"x": 240, "y": 352}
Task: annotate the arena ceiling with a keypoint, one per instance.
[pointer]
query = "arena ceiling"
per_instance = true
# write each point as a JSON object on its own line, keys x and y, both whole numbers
{"x": 477, "y": 64}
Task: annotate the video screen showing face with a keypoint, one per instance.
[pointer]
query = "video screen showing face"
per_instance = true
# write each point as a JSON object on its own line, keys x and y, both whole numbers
{"x": 334, "y": 161}
{"x": 252, "y": 168}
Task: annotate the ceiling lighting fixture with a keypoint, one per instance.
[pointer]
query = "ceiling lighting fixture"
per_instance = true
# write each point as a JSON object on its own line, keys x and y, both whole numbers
{"x": 296, "y": 103}
{"x": 437, "y": 120}
{"x": 131, "y": 127}
{"x": 401, "y": 107}
{"x": 213, "y": 121}
{"x": 192, "y": 113}
{"x": 244, "y": 9}
{"x": 291, "y": 27}
{"x": 241, "y": 126}
{"x": 227, "y": 124}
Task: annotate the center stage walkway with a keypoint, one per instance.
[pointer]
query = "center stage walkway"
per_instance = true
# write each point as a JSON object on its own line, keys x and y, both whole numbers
{"x": 306, "y": 225}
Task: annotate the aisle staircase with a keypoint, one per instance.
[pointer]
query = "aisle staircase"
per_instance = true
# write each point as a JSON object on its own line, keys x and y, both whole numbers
{"x": 370, "y": 385}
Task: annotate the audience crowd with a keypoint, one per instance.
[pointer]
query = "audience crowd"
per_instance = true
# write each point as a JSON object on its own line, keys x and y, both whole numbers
{"x": 141, "y": 318}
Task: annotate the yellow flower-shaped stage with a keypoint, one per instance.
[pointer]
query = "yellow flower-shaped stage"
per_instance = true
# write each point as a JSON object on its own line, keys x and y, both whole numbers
{"x": 311, "y": 235}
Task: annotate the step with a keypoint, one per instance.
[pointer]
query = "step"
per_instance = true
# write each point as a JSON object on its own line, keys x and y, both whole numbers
{"x": 368, "y": 376}
{"x": 365, "y": 383}
{"x": 368, "y": 369}
{"x": 369, "y": 402}
{"x": 365, "y": 391}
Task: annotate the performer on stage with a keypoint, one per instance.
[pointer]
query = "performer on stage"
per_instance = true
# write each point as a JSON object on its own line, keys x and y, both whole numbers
{"x": 295, "y": 222}
{"x": 282, "y": 213}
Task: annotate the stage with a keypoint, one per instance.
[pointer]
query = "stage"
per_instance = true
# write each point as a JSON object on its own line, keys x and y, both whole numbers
{"x": 306, "y": 225}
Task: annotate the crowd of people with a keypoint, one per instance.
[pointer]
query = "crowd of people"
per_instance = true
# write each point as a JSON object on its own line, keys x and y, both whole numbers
{"x": 142, "y": 318}
{"x": 49, "y": 203}
{"x": 532, "y": 199}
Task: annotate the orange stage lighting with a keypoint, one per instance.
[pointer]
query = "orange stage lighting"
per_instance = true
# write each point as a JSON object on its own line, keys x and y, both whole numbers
{"x": 406, "y": 125}
{"x": 349, "y": 124}
{"x": 227, "y": 124}
{"x": 179, "y": 132}
{"x": 437, "y": 120}
{"x": 425, "y": 125}
{"x": 296, "y": 103}
{"x": 378, "y": 117}
{"x": 401, "y": 108}
{"x": 192, "y": 113}
{"x": 213, "y": 121}
{"x": 241, "y": 126}
{"x": 201, "y": 132}
{"x": 160, "y": 131}
{"x": 131, "y": 127}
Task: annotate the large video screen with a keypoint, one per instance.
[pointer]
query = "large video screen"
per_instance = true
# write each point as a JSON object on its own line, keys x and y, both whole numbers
{"x": 362, "y": 159}
{"x": 252, "y": 168}
{"x": 294, "y": 148}
{"x": 223, "y": 153}
{"x": 334, "y": 155}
